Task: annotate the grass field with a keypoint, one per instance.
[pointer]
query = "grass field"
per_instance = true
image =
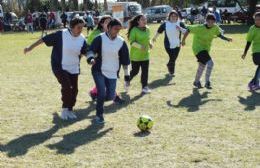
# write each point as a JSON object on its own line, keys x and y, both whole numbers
{"x": 193, "y": 128}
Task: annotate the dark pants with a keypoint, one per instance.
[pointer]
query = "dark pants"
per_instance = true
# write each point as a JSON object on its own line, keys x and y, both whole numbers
{"x": 64, "y": 24}
{"x": 69, "y": 88}
{"x": 203, "y": 57}
{"x": 256, "y": 60}
{"x": 106, "y": 89}
{"x": 145, "y": 70}
{"x": 173, "y": 55}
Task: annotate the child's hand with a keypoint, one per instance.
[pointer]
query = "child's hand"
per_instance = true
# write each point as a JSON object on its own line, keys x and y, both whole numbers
{"x": 229, "y": 39}
{"x": 178, "y": 28}
{"x": 183, "y": 43}
{"x": 243, "y": 56}
{"x": 151, "y": 45}
{"x": 26, "y": 50}
{"x": 143, "y": 48}
{"x": 91, "y": 62}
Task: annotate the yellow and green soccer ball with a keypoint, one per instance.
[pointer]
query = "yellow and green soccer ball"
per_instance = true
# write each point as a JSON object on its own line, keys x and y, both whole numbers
{"x": 145, "y": 123}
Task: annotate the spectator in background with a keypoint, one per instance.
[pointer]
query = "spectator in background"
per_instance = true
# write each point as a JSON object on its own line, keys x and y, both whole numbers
{"x": 29, "y": 22}
{"x": 51, "y": 20}
{"x": 43, "y": 22}
{"x": 217, "y": 15}
{"x": 226, "y": 16}
{"x": 204, "y": 11}
{"x": 97, "y": 13}
{"x": 90, "y": 22}
{"x": 36, "y": 21}
{"x": 64, "y": 19}
{"x": 1, "y": 24}
{"x": 8, "y": 18}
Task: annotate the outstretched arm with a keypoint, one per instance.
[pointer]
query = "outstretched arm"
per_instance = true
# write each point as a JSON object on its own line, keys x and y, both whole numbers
{"x": 31, "y": 47}
{"x": 184, "y": 38}
{"x": 225, "y": 38}
{"x": 248, "y": 44}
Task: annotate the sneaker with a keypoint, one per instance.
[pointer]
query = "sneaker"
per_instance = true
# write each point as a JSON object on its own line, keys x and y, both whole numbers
{"x": 71, "y": 115}
{"x": 146, "y": 90}
{"x": 99, "y": 120}
{"x": 118, "y": 100}
{"x": 197, "y": 84}
{"x": 93, "y": 93}
{"x": 208, "y": 85}
{"x": 64, "y": 114}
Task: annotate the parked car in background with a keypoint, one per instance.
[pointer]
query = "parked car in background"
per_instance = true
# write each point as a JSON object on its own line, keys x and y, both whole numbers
{"x": 157, "y": 13}
{"x": 71, "y": 15}
{"x": 240, "y": 16}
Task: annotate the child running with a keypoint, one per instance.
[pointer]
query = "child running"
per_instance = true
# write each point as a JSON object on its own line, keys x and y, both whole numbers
{"x": 172, "y": 40}
{"x": 67, "y": 47}
{"x": 111, "y": 51}
{"x": 203, "y": 36}
{"x": 139, "y": 37}
{"x": 102, "y": 27}
{"x": 253, "y": 37}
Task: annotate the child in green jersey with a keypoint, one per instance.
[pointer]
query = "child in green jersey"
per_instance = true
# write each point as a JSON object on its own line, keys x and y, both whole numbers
{"x": 102, "y": 27}
{"x": 253, "y": 37}
{"x": 203, "y": 36}
{"x": 139, "y": 37}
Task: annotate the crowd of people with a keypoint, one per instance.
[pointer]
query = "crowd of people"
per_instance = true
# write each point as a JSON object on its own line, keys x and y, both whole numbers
{"x": 106, "y": 51}
{"x": 43, "y": 20}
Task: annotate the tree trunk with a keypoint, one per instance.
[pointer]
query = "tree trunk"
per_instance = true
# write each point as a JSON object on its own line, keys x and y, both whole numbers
{"x": 252, "y": 8}
{"x": 105, "y": 5}
{"x": 63, "y": 5}
{"x": 96, "y": 5}
{"x": 85, "y": 5}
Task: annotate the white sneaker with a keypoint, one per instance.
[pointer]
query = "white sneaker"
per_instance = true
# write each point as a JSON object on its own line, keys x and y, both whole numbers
{"x": 71, "y": 115}
{"x": 146, "y": 90}
{"x": 64, "y": 114}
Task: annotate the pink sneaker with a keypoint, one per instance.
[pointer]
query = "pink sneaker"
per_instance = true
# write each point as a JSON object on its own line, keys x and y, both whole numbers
{"x": 93, "y": 93}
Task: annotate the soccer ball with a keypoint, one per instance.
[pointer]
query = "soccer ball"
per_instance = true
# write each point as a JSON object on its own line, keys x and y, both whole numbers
{"x": 145, "y": 123}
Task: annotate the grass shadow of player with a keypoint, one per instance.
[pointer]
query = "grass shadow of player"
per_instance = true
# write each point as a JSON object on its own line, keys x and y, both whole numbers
{"x": 251, "y": 102}
{"x": 142, "y": 133}
{"x": 21, "y": 145}
{"x": 161, "y": 82}
{"x": 128, "y": 100}
{"x": 78, "y": 138}
{"x": 193, "y": 101}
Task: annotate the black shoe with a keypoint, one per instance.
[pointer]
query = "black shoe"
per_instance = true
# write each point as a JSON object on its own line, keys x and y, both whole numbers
{"x": 99, "y": 120}
{"x": 197, "y": 85}
{"x": 118, "y": 100}
{"x": 208, "y": 85}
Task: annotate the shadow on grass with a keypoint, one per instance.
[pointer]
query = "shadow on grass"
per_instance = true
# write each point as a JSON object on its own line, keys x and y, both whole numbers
{"x": 161, "y": 82}
{"x": 142, "y": 134}
{"x": 193, "y": 101}
{"x": 81, "y": 137}
{"x": 251, "y": 102}
{"x": 235, "y": 29}
{"x": 21, "y": 145}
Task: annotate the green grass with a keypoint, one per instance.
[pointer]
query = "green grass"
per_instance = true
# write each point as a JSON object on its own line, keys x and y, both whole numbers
{"x": 216, "y": 128}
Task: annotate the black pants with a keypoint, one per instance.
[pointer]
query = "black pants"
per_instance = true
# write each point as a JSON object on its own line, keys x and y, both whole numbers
{"x": 203, "y": 57}
{"x": 256, "y": 60}
{"x": 69, "y": 88}
{"x": 173, "y": 55}
{"x": 64, "y": 24}
{"x": 135, "y": 70}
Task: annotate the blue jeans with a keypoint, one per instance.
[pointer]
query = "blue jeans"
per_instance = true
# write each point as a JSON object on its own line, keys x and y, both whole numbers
{"x": 106, "y": 89}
